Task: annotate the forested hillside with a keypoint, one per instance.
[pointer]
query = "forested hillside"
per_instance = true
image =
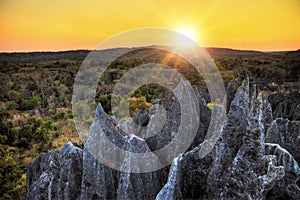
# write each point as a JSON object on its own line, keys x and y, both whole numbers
{"x": 36, "y": 94}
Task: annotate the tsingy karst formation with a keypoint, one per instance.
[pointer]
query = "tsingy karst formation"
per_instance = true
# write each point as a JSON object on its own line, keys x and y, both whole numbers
{"x": 255, "y": 158}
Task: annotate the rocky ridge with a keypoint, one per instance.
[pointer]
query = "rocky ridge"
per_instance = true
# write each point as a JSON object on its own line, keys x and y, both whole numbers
{"x": 255, "y": 158}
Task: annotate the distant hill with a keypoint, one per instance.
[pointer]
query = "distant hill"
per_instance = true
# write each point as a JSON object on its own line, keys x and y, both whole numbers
{"x": 78, "y": 55}
{"x": 233, "y": 51}
{"x": 34, "y": 57}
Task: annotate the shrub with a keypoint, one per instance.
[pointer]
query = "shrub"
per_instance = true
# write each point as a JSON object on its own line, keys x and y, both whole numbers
{"x": 32, "y": 103}
{"x": 137, "y": 104}
{"x": 59, "y": 116}
{"x": 211, "y": 105}
{"x": 155, "y": 101}
{"x": 10, "y": 105}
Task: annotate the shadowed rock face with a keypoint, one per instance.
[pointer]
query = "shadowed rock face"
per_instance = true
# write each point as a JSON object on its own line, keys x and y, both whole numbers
{"x": 56, "y": 175}
{"x": 242, "y": 165}
{"x": 102, "y": 182}
{"x": 170, "y": 128}
{"x": 287, "y": 134}
{"x": 287, "y": 107}
{"x": 255, "y": 158}
{"x": 231, "y": 140}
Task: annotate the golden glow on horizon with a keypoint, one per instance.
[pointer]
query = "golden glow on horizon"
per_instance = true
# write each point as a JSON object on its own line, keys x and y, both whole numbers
{"x": 41, "y": 25}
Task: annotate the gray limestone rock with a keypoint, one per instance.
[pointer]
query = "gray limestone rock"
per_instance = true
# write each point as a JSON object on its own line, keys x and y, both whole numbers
{"x": 287, "y": 107}
{"x": 255, "y": 158}
{"x": 55, "y": 175}
{"x": 188, "y": 176}
{"x": 287, "y": 134}
{"x": 142, "y": 118}
{"x": 250, "y": 177}
{"x": 99, "y": 180}
{"x": 173, "y": 114}
{"x": 231, "y": 140}
{"x": 285, "y": 188}
{"x": 242, "y": 165}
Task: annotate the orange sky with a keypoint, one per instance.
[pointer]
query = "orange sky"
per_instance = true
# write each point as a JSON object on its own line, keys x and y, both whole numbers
{"x": 41, "y": 25}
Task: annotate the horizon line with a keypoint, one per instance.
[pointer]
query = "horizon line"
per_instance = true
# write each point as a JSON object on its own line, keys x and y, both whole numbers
{"x": 82, "y": 49}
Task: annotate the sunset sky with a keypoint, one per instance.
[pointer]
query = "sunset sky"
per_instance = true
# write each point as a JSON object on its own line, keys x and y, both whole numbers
{"x": 51, "y": 25}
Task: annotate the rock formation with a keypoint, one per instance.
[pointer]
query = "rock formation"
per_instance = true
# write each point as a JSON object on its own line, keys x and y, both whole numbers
{"x": 287, "y": 134}
{"x": 102, "y": 182}
{"x": 255, "y": 158}
{"x": 56, "y": 175}
{"x": 287, "y": 107}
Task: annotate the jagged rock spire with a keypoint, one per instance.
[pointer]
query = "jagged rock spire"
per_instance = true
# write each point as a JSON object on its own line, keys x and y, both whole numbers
{"x": 241, "y": 165}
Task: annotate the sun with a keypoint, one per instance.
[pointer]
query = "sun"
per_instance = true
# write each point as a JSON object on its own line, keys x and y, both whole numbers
{"x": 188, "y": 32}
{"x": 186, "y": 38}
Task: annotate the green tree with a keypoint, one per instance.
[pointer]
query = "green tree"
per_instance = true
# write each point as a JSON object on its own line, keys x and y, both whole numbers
{"x": 32, "y": 103}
